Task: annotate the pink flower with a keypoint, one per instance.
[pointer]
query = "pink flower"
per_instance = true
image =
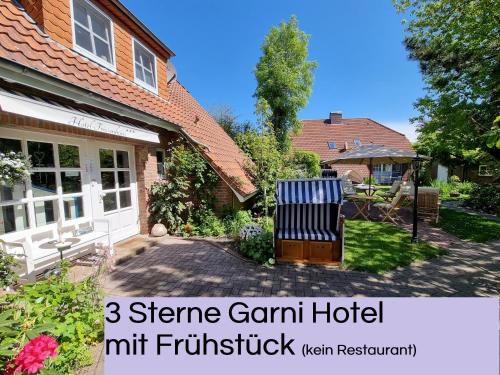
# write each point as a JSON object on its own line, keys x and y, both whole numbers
{"x": 32, "y": 357}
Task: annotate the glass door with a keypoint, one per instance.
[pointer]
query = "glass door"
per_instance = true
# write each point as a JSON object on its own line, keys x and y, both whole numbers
{"x": 114, "y": 190}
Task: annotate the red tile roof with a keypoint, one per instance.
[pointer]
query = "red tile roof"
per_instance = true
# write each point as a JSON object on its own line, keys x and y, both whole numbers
{"x": 316, "y": 134}
{"x": 23, "y": 42}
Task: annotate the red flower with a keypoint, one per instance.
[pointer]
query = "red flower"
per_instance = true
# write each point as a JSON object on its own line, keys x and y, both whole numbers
{"x": 9, "y": 368}
{"x": 32, "y": 357}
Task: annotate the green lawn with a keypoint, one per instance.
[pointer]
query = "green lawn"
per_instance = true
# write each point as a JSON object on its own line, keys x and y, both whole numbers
{"x": 380, "y": 247}
{"x": 468, "y": 227}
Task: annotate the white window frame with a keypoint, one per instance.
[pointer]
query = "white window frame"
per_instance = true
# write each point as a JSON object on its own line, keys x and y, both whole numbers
{"x": 89, "y": 54}
{"x": 357, "y": 142}
{"x": 153, "y": 89}
{"x": 483, "y": 174}
{"x": 117, "y": 189}
{"x": 29, "y": 200}
{"x": 334, "y": 144}
{"x": 160, "y": 176}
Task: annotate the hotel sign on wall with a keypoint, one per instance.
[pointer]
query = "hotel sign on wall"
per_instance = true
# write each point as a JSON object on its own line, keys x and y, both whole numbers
{"x": 42, "y": 110}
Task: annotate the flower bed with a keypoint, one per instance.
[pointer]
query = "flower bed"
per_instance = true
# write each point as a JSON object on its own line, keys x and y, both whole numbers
{"x": 71, "y": 314}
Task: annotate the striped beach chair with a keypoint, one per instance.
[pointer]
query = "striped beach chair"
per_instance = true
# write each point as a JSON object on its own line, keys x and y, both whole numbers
{"x": 308, "y": 225}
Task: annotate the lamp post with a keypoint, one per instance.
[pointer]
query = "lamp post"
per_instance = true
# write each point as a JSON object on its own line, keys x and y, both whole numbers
{"x": 416, "y": 163}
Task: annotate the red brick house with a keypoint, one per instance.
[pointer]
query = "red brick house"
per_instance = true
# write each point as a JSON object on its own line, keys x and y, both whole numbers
{"x": 90, "y": 94}
{"x": 334, "y": 135}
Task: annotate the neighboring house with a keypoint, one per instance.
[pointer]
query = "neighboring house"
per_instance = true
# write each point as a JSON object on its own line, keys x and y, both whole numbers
{"x": 91, "y": 95}
{"x": 483, "y": 173}
{"x": 334, "y": 135}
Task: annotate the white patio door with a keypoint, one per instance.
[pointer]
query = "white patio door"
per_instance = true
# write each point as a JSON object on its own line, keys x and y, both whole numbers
{"x": 114, "y": 188}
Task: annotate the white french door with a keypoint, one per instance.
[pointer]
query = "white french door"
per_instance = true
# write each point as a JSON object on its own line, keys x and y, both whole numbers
{"x": 114, "y": 188}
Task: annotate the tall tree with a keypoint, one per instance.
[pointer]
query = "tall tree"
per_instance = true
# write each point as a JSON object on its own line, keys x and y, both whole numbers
{"x": 457, "y": 45}
{"x": 284, "y": 78}
{"x": 226, "y": 118}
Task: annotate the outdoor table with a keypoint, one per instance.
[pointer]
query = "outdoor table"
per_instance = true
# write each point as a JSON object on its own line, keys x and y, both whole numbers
{"x": 366, "y": 189}
{"x": 362, "y": 204}
{"x": 61, "y": 247}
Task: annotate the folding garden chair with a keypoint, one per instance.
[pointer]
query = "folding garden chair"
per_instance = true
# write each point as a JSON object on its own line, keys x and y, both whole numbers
{"x": 392, "y": 191}
{"x": 390, "y": 210}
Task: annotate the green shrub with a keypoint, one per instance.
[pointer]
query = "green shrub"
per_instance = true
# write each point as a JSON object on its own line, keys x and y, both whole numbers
{"x": 206, "y": 223}
{"x": 485, "y": 197}
{"x": 166, "y": 202}
{"x": 235, "y": 221}
{"x": 446, "y": 189}
{"x": 7, "y": 275}
{"x": 266, "y": 223}
{"x": 259, "y": 248}
{"x": 71, "y": 313}
{"x": 186, "y": 175}
{"x": 308, "y": 162}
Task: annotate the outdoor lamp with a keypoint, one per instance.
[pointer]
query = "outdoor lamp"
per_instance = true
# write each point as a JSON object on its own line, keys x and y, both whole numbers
{"x": 416, "y": 164}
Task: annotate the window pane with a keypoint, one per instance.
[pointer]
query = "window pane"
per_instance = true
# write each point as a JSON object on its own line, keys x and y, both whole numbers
{"x": 125, "y": 199}
{"x": 14, "y": 193}
{"x": 69, "y": 156}
{"x": 149, "y": 79}
{"x": 82, "y": 38}
{"x": 43, "y": 184}
{"x": 146, "y": 60}
{"x": 159, "y": 156}
{"x": 42, "y": 154}
{"x": 123, "y": 179}
{"x": 138, "y": 72}
{"x": 13, "y": 218}
{"x": 73, "y": 207}
{"x": 80, "y": 11}
{"x": 122, "y": 159}
{"x": 45, "y": 212}
{"x": 71, "y": 182}
{"x": 9, "y": 145}
{"x": 106, "y": 158}
{"x": 102, "y": 50}
{"x": 109, "y": 201}
{"x": 100, "y": 25}
{"x": 108, "y": 180}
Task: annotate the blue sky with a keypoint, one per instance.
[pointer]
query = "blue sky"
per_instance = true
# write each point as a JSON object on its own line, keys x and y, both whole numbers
{"x": 363, "y": 66}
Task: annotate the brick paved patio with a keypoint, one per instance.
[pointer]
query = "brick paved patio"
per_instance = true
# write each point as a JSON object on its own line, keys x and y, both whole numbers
{"x": 178, "y": 267}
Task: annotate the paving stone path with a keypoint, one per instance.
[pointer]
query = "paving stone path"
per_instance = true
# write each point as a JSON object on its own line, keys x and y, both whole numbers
{"x": 179, "y": 267}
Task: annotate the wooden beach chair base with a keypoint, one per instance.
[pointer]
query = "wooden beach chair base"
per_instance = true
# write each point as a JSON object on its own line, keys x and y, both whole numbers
{"x": 306, "y": 251}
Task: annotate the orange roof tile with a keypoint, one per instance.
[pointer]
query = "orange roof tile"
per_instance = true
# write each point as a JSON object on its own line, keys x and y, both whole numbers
{"x": 23, "y": 42}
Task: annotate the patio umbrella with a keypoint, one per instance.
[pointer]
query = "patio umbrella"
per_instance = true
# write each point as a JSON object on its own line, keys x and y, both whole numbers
{"x": 374, "y": 154}
{"x": 369, "y": 154}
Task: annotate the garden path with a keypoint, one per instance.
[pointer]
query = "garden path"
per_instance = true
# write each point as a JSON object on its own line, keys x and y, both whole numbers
{"x": 180, "y": 267}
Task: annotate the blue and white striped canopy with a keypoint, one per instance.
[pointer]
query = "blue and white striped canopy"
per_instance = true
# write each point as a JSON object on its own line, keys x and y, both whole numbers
{"x": 317, "y": 191}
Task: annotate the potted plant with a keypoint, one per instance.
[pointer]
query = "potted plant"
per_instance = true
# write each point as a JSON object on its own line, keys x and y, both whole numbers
{"x": 14, "y": 168}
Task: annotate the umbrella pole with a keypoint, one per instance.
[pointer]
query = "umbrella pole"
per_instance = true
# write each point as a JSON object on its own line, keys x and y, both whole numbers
{"x": 370, "y": 178}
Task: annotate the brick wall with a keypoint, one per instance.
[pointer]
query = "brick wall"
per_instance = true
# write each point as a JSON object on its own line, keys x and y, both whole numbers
{"x": 224, "y": 196}
{"x": 145, "y": 165}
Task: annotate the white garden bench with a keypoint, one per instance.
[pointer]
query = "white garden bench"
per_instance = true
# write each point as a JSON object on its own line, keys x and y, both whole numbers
{"x": 36, "y": 252}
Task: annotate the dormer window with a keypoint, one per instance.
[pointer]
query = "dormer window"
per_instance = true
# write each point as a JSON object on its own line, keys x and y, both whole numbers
{"x": 357, "y": 142}
{"x": 332, "y": 145}
{"x": 145, "y": 67}
{"x": 93, "y": 33}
